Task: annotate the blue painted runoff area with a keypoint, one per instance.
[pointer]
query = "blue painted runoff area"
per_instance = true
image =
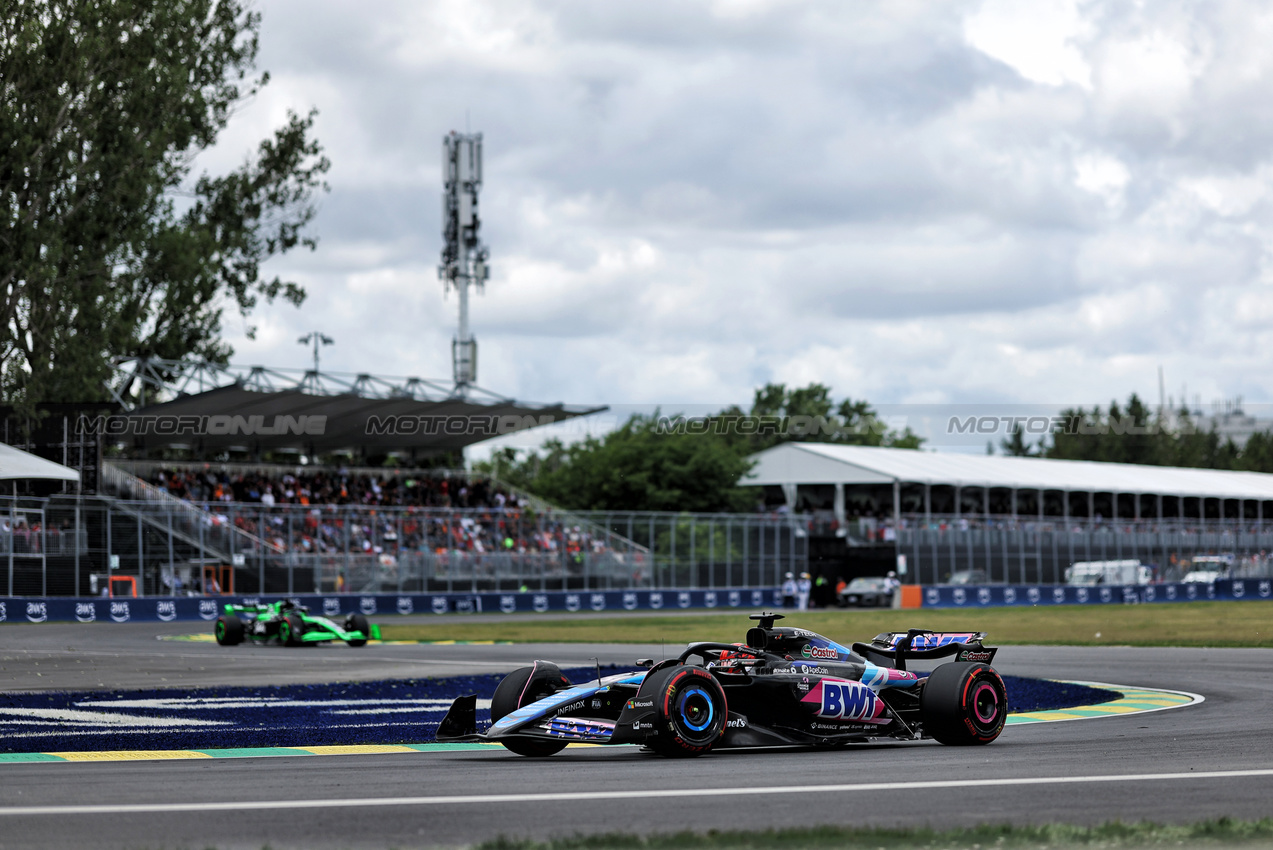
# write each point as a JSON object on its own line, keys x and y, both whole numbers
{"x": 405, "y": 711}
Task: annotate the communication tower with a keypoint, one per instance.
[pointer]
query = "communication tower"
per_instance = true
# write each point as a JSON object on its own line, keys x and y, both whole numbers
{"x": 463, "y": 254}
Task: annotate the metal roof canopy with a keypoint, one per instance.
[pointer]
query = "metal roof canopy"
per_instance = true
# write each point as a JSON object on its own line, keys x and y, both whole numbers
{"x": 823, "y": 463}
{"x": 15, "y": 464}
{"x": 347, "y": 421}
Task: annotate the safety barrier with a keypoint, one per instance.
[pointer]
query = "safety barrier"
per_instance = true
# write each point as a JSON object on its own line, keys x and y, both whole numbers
{"x": 993, "y": 596}
{"x": 184, "y": 608}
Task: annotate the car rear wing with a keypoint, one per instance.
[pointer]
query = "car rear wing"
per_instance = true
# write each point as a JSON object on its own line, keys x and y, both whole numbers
{"x": 891, "y": 649}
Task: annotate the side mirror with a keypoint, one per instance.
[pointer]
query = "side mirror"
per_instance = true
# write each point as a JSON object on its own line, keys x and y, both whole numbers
{"x": 645, "y": 662}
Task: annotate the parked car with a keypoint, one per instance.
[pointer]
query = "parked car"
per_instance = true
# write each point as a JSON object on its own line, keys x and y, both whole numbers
{"x": 968, "y": 577}
{"x": 872, "y": 592}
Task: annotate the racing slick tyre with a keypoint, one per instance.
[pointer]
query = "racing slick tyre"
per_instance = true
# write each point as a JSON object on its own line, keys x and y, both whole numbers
{"x": 290, "y": 630}
{"x": 228, "y": 630}
{"x": 691, "y": 712}
{"x": 357, "y": 623}
{"x": 964, "y": 704}
{"x": 522, "y": 687}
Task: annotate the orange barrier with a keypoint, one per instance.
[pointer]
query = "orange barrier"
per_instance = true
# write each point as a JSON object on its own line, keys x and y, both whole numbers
{"x": 214, "y": 584}
{"x": 130, "y": 581}
{"x": 912, "y": 596}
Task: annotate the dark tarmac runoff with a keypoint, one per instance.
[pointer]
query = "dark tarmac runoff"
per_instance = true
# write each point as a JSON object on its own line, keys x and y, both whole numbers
{"x": 1204, "y": 761}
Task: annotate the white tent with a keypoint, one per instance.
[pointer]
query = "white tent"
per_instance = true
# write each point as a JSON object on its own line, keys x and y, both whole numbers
{"x": 792, "y": 464}
{"x": 15, "y": 463}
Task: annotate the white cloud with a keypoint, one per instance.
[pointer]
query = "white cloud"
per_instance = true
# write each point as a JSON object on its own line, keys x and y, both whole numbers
{"x": 906, "y": 201}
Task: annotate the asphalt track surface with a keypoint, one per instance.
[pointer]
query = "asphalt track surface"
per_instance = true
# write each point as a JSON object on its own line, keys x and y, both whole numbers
{"x": 1180, "y": 765}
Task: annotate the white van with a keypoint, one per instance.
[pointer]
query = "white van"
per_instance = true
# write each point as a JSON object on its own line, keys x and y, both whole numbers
{"x": 1087, "y": 573}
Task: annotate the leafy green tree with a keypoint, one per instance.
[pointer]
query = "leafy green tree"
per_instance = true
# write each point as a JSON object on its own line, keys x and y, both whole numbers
{"x": 109, "y": 246}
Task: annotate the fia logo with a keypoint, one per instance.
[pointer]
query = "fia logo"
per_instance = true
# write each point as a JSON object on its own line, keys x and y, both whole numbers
{"x": 932, "y": 596}
{"x": 508, "y": 603}
{"x": 656, "y": 601}
{"x": 735, "y": 599}
{"x": 709, "y": 599}
{"x": 331, "y": 607}
{"x": 37, "y": 612}
{"x": 439, "y": 605}
{"x": 540, "y": 602}
{"x": 120, "y": 612}
{"x": 166, "y": 610}
{"x": 683, "y": 600}
{"x": 983, "y": 595}
{"x": 1033, "y": 595}
{"x": 959, "y": 596}
{"x": 367, "y": 604}
{"x": 572, "y": 602}
{"x": 405, "y": 605}
{"x": 1009, "y": 595}
{"x": 629, "y": 601}
{"x": 207, "y": 609}
{"x": 85, "y": 612}
{"x": 598, "y": 602}
{"x": 1058, "y": 595}
{"x": 1239, "y": 589}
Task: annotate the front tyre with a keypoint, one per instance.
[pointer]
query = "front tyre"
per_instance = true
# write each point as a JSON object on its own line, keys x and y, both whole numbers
{"x": 290, "y": 630}
{"x": 523, "y": 687}
{"x": 358, "y": 623}
{"x": 228, "y": 630}
{"x": 964, "y": 704}
{"x": 691, "y": 713}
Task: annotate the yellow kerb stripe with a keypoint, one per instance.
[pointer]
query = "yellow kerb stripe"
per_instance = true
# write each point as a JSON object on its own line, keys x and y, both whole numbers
{"x": 132, "y": 755}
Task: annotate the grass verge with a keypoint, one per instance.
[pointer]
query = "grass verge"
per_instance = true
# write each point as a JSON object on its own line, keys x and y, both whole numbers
{"x": 1224, "y": 832}
{"x": 1246, "y": 623}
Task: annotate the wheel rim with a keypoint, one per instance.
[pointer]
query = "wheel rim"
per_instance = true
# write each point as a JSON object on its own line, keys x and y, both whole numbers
{"x": 220, "y": 627}
{"x": 285, "y": 632}
{"x": 696, "y": 709}
{"x": 985, "y": 704}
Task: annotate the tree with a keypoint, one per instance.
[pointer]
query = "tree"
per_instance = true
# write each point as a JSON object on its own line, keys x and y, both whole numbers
{"x": 109, "y": 248}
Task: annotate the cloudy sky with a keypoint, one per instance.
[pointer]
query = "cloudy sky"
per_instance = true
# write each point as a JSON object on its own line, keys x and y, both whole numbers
{"x": 914, "y": 203}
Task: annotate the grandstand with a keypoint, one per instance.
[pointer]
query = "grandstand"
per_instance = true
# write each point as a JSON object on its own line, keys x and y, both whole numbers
{"x": 1020, "y": 520}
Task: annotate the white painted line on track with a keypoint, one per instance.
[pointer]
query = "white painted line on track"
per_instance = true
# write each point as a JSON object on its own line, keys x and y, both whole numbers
{"x": 628, "y": 794}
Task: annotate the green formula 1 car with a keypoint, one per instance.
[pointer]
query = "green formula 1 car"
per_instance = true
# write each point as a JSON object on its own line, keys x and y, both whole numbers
{"x": 289, "y": 624}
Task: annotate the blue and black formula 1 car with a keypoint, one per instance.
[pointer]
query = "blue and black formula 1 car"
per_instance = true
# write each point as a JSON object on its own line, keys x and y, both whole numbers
{"x": 782, "y": 687}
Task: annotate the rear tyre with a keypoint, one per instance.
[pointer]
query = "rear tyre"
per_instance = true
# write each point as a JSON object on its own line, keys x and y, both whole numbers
{"x": 523, "y": 687}
{"x": 358, "y": 623}
{"x": 228, "y": 630}
{"x": 964, "y": 704}
{"x": 290, "y": 630}
{"x": 691, "y": 713}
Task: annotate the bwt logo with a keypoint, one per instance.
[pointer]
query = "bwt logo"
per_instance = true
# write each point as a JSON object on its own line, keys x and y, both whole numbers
{"x": 367, "y": 604}
{"x": 85, "y": 612}
{"x": 207, "y": 609}
{"x": 120, "y": 612}
{"x": 166, "y": 610}
{"x": 405, "y": 605}
{"x": 847, "y": 701}
{"x": 37, "y": 612}
{"x": 331, "y": 607}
